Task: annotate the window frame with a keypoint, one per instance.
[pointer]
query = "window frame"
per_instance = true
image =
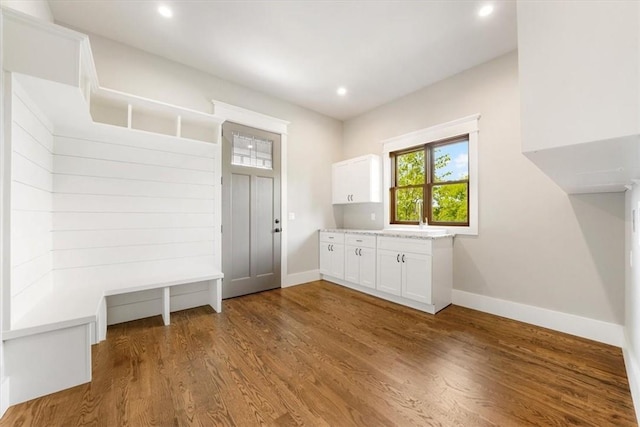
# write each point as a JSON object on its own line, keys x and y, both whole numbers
{"x": 429, "y": 182}
{"x": 444, "y": 132}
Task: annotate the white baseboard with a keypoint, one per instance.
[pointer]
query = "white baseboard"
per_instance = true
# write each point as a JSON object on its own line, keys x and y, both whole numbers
{"x": 300, "y": 278}
{"x": 596, "y": 330}
{"x": 633, "y": 375}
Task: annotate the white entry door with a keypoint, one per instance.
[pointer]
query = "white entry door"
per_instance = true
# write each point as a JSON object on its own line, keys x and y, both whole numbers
{"x": 251, "y": 226}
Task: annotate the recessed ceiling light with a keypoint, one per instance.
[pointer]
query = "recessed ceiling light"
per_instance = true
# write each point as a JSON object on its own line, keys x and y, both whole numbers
{"x": 165, "y": 11}
{"x": 485, "y": 10}
{"x": 342, "y": 91}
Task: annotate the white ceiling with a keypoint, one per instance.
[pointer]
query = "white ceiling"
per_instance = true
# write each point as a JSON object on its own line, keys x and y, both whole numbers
{"x": 302, "y": 50}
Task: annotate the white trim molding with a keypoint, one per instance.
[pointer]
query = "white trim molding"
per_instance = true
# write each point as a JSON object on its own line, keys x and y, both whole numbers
{"x": 301, "y": 278}
{"x": 633, "y": 376}
{"x": 246, "y": 117}
{"x": 465, "y": 125}
{"x": 596, "y": 330}
{"x": 242, "y": 116}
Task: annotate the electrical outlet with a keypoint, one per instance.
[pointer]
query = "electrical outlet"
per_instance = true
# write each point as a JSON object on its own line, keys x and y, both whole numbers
{"x": 292, "y": 216}
{"x": 373, "y": 216}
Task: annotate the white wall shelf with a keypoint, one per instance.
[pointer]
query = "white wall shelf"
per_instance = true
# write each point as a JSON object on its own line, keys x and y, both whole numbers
{"x": 134, "y": 112}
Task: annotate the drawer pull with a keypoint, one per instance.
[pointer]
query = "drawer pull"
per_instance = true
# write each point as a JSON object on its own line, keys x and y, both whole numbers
{"x": 358, "y": 240}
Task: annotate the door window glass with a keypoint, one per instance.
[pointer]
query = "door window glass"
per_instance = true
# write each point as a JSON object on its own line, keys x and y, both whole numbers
{"x": 252, "y": 151}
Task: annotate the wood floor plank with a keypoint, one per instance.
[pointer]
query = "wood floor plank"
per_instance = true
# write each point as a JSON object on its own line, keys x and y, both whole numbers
{"x": 322, "y": 355}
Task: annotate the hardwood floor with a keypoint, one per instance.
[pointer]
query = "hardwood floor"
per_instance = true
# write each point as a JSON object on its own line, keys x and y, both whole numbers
{"x": 320, "y": 354}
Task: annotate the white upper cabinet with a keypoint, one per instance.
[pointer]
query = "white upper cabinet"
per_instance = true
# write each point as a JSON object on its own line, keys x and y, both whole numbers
{"x": 579, "y": 76}
{"x": 356, "y": 180}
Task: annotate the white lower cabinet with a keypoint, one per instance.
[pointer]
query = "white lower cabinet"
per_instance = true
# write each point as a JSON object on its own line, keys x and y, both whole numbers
{"x": 405, "y": 274}
{"x": 360, "y": 260}
{"x": 404, "y": 267}
{"x": 416, "y": 277}
{"x": 416, "y": 272}
{"x": 332, "y": 254}
{"x": 389, "y": 272}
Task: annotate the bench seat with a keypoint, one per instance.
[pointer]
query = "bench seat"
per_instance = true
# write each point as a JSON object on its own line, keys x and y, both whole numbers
{"x": 49, "y": 348}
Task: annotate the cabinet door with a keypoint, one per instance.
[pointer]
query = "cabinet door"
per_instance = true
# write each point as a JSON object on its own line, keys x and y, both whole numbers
{"x": 337, "y": 260}
{"x": 352, "y": 265}
{"x": 416, "y": 277}
{"x": 367, "y": 267}
{"x": 340, "y": 183}
{"x": 389, "y": 278}
{"x": 325, "y": 258}
{"x": 360, "y": 180}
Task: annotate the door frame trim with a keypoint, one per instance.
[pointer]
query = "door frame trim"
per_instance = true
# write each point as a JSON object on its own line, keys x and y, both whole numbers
{"x": 253, "y": 119}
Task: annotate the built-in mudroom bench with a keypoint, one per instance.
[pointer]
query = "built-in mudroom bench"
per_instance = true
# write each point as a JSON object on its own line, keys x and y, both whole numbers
{"x": 412, "y": 268}
{"x": 110, "y": 206}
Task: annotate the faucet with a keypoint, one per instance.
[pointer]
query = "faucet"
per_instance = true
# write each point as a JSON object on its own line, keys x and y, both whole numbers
{"x": 419, "y": 209}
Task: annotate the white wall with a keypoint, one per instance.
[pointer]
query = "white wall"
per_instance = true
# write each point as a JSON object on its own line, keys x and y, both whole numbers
{"x": 126, "y": 208}
{"x": 31, "y": 204}
{"x": 536, "y": 245}
{"x": 132, "y": 207}
{"x": 37, "y": 8}
{"x": 313, "y": 141}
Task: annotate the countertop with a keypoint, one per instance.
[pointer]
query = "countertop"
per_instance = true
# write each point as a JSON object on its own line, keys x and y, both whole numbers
{"x": 405, "y": 234}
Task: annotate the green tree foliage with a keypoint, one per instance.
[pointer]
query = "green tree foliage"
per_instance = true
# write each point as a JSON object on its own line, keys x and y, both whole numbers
{"x": 449, "y": 200}
{"x": 411, "y": 167}
{"x": 450, "y": 203}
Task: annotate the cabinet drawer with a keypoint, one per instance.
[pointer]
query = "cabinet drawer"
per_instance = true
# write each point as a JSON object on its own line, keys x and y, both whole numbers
{"x": 361, "y": 240}
{"x": 399, "y": 244}
{"x": 327, "y": 236}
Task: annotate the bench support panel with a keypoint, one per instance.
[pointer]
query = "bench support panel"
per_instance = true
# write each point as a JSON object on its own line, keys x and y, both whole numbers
{"x": 44, "y": 363}
{"x": 215, "y": 295}
{"x": 166, "y": 306}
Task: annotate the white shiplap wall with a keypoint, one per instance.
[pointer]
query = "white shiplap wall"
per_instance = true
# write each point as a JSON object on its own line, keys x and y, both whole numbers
{"x": 31, "y": 204}
{"x": 129, "y": 205}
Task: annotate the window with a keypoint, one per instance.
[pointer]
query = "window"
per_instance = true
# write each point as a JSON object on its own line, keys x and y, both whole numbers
{"x": 251, "y": 151}
{"x": 437, "y": 173}
{"x": 433, "y": 173}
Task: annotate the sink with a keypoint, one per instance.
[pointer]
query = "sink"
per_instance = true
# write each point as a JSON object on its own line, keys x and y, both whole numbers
{"x": 416, "y": 231}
